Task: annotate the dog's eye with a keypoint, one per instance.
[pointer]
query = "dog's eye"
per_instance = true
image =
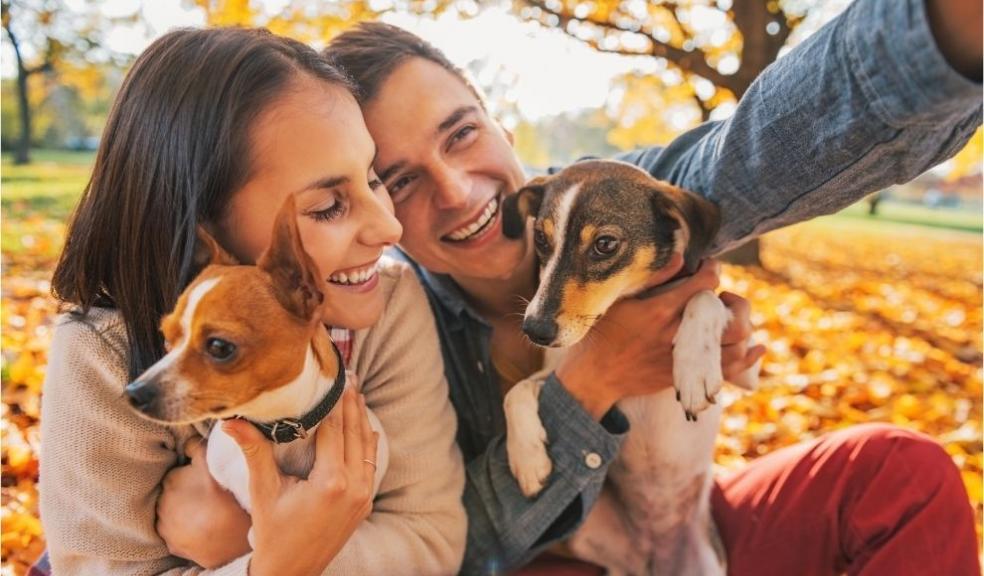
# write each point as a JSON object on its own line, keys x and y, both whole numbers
{"x": 220, "y": 349}
{"x": 540, "y": 239}
{"x": 606, "y": 245}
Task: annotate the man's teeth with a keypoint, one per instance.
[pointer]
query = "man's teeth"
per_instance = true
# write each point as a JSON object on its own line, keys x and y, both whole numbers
{"x": 466, "y": 232}
{"x": 356, "y": 277}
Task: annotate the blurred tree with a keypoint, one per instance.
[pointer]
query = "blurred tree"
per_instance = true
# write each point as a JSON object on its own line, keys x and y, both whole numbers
{"x": 47, "y": 37}
{"x": 715, "y": 48}
{"x": 312, "y": 21}
{"x": 724, "y": 42}
{"x": 969, "y": 160}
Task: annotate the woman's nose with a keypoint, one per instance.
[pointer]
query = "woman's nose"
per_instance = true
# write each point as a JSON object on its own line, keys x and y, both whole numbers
{"x": 381, "y": 226}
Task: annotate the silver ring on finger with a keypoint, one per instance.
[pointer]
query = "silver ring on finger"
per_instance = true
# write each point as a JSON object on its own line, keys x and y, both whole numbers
{"x": 370, "y": 462}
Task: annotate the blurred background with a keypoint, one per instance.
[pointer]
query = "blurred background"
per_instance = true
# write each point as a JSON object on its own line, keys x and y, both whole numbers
{"x": 871, "y": 314}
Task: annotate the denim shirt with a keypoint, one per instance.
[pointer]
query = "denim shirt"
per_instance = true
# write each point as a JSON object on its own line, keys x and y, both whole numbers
{"x": 866, "y": 102}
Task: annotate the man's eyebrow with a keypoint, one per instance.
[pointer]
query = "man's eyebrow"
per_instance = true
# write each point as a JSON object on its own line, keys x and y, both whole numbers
{"x": 444, "y": 126}
{"x": 454, "y": 117}
{"x": 385, "y": 174}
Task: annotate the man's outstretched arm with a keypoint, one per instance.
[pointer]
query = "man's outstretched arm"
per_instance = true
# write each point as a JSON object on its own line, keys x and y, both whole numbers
{"x": 874, "y": 98}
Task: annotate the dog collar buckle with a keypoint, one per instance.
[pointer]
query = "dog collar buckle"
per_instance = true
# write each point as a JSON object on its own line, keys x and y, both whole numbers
{"x": 290, "y": 429}
{"x": 287, "y": 430}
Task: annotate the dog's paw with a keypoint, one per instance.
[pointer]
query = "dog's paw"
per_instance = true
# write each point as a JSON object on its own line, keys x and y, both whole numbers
{"x": 526, "y": 439}
{"x": 697, "y": 387}
{"x": 697, "y": 373}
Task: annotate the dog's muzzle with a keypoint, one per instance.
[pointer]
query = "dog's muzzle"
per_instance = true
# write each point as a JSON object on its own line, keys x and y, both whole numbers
{"x": 542, "y": 331}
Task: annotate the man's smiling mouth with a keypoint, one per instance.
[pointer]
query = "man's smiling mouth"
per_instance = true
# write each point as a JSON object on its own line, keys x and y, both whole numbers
{"x": 477, "y": 226}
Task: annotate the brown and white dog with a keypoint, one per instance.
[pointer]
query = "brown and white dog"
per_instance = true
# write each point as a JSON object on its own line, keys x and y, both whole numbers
{"x": 603, "y": 231}
{"x": 248, "y": 341}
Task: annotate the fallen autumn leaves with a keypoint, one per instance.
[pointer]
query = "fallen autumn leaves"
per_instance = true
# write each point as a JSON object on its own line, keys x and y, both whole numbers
{"x": 861, "y": 325}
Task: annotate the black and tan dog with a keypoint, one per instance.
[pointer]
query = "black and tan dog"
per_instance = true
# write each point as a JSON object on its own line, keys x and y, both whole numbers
{"x": 606, "y": 230}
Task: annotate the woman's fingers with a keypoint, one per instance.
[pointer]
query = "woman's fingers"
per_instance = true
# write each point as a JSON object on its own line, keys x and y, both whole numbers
{"x": 194, "y": 448}
{"x": 368, "y": 438}
{"x": 352, "y": 425}
{"x": 264, "y": 475}
{"x": 329, "y": 447}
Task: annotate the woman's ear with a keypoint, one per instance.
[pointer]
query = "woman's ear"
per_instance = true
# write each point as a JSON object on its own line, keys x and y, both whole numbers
{"x": 516, "y": 208}
{"x": 209, "y": 252}
{"x": 297, "y": 283}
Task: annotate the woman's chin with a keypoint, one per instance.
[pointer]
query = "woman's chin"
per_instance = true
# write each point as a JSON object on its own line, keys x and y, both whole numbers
{"x": 353, "y": 311}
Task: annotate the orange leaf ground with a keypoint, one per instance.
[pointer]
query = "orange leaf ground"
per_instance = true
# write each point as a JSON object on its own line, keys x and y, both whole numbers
{"x": 862, "y": 324}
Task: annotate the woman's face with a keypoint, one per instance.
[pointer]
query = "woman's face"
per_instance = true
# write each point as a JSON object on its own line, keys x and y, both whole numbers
{"x": 312, "y": 142}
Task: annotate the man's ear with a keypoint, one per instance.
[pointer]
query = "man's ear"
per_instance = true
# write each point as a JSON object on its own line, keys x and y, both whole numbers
{"x": 297, "y": 283}
{"x": 516, "y": 208}
{"x": 208, "y": 251}
{"x": 702, "y": 219}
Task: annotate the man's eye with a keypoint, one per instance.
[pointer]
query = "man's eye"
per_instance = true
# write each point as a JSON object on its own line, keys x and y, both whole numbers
{"x": 400, "y": 185}
{"x": 462, "y": 134}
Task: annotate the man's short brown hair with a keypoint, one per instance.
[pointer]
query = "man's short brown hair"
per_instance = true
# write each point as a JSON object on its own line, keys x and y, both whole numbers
{"x": 371, "y": 51}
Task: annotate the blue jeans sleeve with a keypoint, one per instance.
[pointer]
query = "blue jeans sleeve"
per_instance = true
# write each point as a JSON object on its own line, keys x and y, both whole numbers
{"x": 866, "y": 102}
{"x": 507, "y": 529}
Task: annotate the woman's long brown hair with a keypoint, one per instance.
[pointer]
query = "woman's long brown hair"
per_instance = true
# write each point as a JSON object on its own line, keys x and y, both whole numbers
{"x": 174, "y": 149}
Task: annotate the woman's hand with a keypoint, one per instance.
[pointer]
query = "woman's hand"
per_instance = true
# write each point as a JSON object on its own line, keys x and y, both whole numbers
{"x": 300, "y": 525}
{"x": 198, "y": 519}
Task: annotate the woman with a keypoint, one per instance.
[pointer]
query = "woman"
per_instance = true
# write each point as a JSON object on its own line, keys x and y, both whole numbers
{"x": 217, "y": 127}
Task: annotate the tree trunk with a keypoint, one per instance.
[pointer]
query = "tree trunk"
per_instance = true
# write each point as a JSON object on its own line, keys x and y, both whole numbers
{"x": 745, "y": 255}
{"x": 23, "y": 152}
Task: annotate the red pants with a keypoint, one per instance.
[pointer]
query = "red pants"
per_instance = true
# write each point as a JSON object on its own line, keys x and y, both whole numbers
{"x": 867, "y": 500}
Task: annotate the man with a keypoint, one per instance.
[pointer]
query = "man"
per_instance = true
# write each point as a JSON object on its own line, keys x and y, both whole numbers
{"x": 887, "y": 90}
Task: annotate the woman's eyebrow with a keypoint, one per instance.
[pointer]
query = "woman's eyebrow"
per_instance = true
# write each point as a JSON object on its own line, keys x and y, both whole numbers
{"x": 327, "y": 182}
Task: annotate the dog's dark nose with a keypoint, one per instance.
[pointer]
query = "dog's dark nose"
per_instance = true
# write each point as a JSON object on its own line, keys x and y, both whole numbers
{"x": 142, "y": 395}
{"x": 542, "y": 331}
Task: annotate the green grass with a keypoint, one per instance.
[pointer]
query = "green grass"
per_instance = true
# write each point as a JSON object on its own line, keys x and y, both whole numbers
{"x": 893, "y": 213}
{"x": 50, "y": 185}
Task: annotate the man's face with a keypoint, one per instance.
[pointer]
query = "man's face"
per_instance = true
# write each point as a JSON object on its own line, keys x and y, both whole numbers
{"x": 447, "y": 166}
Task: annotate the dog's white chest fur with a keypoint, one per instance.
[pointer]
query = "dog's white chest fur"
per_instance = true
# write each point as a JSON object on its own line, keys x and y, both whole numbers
{"x": 653, "y": 516}
{"x": 228, "y": 465}
{"x": 226, "y": 461}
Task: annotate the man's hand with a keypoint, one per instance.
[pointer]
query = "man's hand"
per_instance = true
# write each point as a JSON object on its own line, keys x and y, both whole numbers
{"x": 198, "y": 519}
{"x": 629, "y": 352}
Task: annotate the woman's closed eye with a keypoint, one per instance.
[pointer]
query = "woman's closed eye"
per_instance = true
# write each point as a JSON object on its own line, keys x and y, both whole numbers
{"x": 328, "y": 213}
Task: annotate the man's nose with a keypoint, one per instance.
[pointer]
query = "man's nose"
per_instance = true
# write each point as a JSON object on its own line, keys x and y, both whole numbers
{"x": 453, "y": 188}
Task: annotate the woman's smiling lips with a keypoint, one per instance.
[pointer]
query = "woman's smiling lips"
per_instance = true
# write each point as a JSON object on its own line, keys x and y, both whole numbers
{"x": 357, "y": 279}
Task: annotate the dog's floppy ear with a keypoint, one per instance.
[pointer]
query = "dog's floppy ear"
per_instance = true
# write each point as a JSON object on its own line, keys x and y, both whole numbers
{"x": 702, "y": 219}
{"x": 297, "y": 284}
{"x": 516, "y": 208}
{"x": 208, "y": 251}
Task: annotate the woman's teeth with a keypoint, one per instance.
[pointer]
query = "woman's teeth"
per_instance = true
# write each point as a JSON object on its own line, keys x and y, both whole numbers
{"x": 473, "y": 229}
{"x": 355, "y": 277}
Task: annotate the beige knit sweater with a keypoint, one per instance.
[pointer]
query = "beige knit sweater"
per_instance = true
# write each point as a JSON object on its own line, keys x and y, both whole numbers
{"x": 102, "y": 465}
